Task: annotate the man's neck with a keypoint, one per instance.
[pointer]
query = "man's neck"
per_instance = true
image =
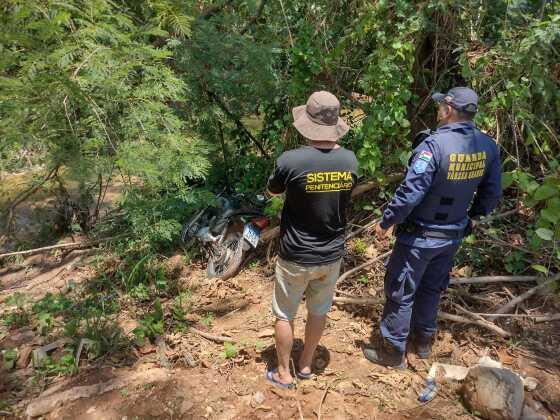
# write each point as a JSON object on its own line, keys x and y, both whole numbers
{"x": 453, "y": 121}
{"x": 324, "y": 144}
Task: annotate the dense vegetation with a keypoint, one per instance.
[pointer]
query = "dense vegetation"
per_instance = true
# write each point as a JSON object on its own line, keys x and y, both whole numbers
{"x": 161, "y": 94}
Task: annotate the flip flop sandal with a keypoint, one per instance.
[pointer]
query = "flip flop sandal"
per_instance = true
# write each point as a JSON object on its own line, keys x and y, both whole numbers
{"x": 305, "y": 376}
{"x": 270, "y": 378}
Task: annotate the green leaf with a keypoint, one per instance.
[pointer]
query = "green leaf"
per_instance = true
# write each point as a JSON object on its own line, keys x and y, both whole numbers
{"x": 550, "y": 215}
{"x": 540, "y": 268}
{"x": 545, "y": 234}
{"x": 545, "y": 191}
{"x": 507, "y": 180}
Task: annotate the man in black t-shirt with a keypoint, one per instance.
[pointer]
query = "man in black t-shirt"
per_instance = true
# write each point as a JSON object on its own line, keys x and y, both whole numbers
{"x": 318, "y": 180}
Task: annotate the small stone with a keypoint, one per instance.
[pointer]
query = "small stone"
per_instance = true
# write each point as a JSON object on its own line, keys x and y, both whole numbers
{"x": 530, "y": 383}
{"x": 258, "y": 398}
{"x": 209, "y": 410}
{"x": 91, "y": 410}
{"x": 186, "y": 406}
{"x": 497, "y": 394}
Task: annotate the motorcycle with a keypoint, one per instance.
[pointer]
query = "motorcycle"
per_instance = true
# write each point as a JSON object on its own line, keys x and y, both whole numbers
{"x": 227, "y": 232}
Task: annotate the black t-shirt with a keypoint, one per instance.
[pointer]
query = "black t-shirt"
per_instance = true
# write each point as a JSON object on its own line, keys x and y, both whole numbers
{"x": 318, "y": 185}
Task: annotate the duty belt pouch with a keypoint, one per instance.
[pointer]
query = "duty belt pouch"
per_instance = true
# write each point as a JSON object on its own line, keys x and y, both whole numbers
{"x": 417, "y": 230}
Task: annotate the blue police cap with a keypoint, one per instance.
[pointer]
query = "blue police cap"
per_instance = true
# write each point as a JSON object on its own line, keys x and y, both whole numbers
{"x": 460, "y": 98}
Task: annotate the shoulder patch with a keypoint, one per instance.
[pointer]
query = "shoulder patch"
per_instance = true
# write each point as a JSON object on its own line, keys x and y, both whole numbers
{"x": 425, "y": 156}
{"x": 420, "y": 166}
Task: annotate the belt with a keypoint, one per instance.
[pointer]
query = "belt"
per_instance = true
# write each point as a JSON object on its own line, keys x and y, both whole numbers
{"x": 420, "y": 231}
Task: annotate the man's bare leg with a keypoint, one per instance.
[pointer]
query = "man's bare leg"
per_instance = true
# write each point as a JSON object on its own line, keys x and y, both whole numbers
{"x": 284, "y": 336}
{"x": 313, "y": 332}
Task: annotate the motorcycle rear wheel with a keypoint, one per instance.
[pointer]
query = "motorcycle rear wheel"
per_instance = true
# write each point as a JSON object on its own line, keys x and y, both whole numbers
{"x": 225, "y": 259}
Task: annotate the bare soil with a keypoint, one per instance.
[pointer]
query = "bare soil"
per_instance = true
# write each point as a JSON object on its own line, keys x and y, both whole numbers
{"x": 203, "y": 383}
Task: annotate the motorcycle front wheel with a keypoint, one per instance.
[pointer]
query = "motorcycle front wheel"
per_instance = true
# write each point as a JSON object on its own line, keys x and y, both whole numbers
{"x": 225, "y": 259}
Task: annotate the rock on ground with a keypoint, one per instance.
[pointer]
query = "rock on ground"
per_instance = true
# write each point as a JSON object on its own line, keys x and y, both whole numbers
{"x": 497, "y": 394}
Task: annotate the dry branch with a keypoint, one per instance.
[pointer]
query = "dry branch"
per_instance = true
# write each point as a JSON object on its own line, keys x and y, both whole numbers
{"x": 82, "y": 244}
{"x": 217, "y": 338}
{"x": 362, "y": 266}
{"x": 516, "y": 301}
{"x": 370, "y": 185}
{"x": 461, "y": 319}
{"x": 481, "y": 321}
{"x": 357, "y": 300}
{"x": 491, "y": 279}
{"x": 536, "y": 318}
{"x": 546, "y": 318}
{"x": 442, "y": 315}
{"x": 361, "y": 229}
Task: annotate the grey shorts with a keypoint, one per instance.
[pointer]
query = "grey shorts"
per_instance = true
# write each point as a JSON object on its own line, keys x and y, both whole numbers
{"x": 317, "y": 282}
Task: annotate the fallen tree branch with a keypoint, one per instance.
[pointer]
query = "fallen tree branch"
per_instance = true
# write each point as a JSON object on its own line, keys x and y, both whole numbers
{"x": 362, "y": 228}
{"x": 504, "y": 243}
{"x": 536, "y": 318}
{"x": 362, "y": 266}
{"x": 516, "y": 301}
{"x": 370, "y": 185}
{"x": 357, "y": 300}
{"x": 83, "y": 244}
{"x": 481, "y": 321}
{"x": 546, "y": 318}
{"x": 444, "y": 316}
{"x": 489, "y": 219}
{"x": 319, "y": 413}
{"x": 217, "y": 338}
{"x": 491, "y": 279}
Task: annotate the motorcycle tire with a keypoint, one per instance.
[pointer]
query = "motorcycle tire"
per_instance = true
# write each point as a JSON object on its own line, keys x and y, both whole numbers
{"x": 225, "y": 260}
{"x": 190, "y": 228}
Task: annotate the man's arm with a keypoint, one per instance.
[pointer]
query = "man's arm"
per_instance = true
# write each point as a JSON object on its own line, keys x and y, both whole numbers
{"x": 419, "y": 178}
{"x": 489, "y": 190}
{"x": 277, "y": 181}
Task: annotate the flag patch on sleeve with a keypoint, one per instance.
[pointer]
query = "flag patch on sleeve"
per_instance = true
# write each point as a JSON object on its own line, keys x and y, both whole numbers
{"x": 425, "y": 156}
{"x": 421, "y": 163}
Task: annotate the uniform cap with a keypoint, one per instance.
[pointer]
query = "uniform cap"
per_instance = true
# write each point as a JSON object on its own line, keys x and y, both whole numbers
{"x": 460, "y": 98}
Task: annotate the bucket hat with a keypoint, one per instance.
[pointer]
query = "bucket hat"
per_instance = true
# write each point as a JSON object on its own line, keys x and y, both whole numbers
{"x": 319, "y": 119}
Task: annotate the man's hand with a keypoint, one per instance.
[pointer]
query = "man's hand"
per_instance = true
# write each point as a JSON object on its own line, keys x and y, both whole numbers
{"x": 381, "y": 233}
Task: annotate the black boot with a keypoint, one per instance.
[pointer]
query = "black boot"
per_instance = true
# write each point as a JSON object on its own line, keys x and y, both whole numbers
{"x": 386, "y": 355}
{"x": 422, "y": 345}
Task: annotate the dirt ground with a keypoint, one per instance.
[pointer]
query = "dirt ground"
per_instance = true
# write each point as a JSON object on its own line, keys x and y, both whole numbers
{"x": 200, "y": 382}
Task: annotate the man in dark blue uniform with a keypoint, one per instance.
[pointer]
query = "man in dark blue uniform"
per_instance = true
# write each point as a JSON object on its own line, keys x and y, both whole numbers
{"x": 432, "y": 209}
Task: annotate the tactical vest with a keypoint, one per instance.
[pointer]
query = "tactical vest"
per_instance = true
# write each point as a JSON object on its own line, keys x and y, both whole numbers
{"x": 465, "y": 156}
